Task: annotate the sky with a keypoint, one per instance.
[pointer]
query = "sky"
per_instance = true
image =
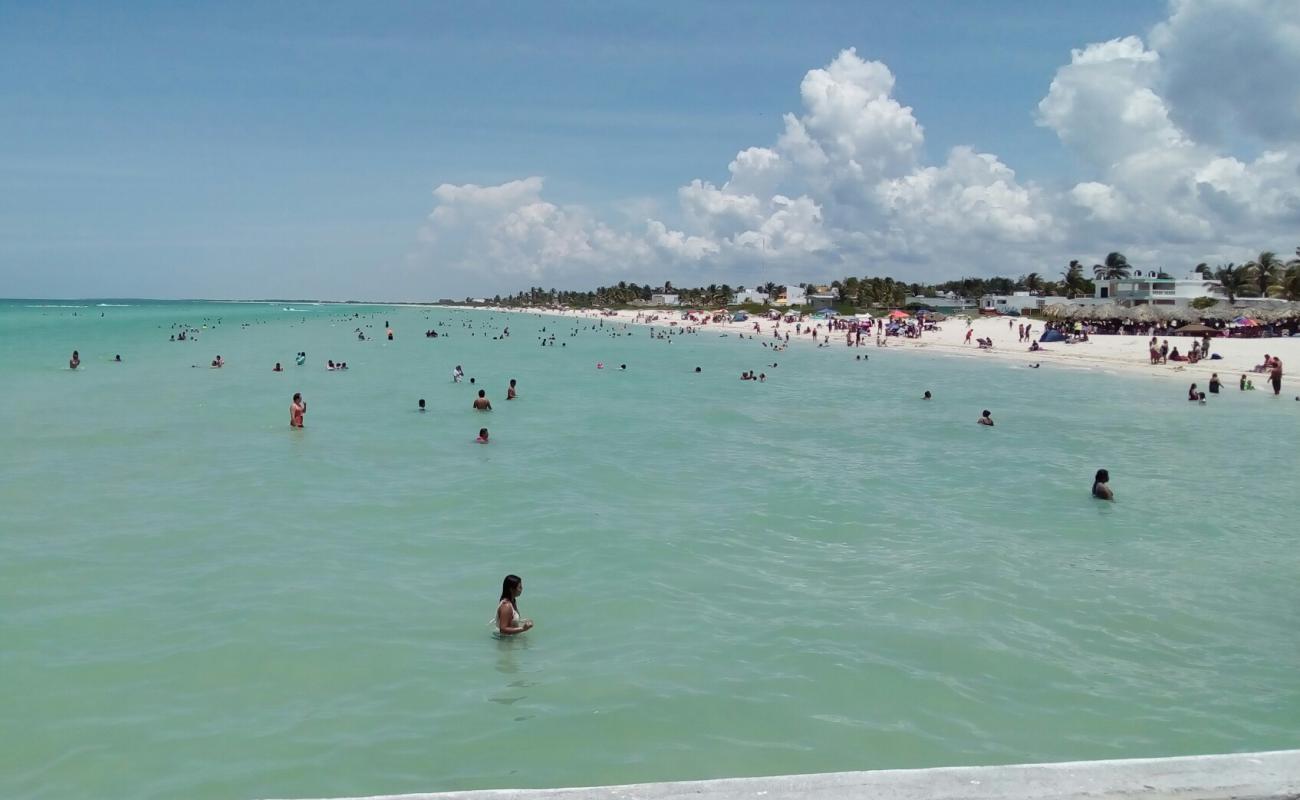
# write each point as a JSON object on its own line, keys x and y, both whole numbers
{"x": 417, "y": 151}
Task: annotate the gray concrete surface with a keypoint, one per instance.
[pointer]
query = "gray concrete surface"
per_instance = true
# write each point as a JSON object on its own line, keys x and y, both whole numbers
{"x": 1241, "y": 776}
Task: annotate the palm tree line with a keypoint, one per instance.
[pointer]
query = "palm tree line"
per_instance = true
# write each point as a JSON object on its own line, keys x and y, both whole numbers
{"x": 1264, "y": 276}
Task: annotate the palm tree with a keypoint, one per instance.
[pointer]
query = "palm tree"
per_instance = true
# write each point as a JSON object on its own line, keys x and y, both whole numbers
{"x": 1073, "y": 276}
{"x": 1033, "y": 282}
{"x": 1264, "y": 271}
{"x": 1116, "y": 266}
{"x": 1233, "y": 280}
{"x": 1288, "y": 285}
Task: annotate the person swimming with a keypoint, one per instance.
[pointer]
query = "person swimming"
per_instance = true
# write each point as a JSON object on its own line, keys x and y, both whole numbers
{"x": 481, "y": 403}
{"x": 421, "y": 405}
{"x": 1101, "y": 486}
{"x": 75, "y": 361}
{"x": 507, "y": 621}
{"x": 277, "y": 367}
{"x": 986, "y": 418}
{"x": 482, "y": 436}
{"x": 927, "y": 395}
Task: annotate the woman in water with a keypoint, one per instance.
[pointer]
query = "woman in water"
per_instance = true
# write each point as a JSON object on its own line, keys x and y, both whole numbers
{"x": 75, "y": 361}
{"x": 1101, "y": 486}
{"x": 508, "y": 621}
{"x": 296, "y": 410}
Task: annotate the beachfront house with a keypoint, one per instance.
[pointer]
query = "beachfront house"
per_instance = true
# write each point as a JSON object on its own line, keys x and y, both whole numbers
{"x": 1145, "y": 287}
{"x": 947, "y": 302}
{"x": 792, "y": 296}
{"x": 749, "y": 296}
{"x": 820, "y": 300}
{"x": 1022, "y": 302}
{"x": 665, "y": 299}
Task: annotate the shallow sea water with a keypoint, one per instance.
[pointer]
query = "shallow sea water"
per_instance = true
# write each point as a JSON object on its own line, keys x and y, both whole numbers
{"x": 817, "y": 573}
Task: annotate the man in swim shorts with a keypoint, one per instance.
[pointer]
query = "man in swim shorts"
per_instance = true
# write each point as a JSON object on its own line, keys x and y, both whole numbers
{"x": 481, "y": 403}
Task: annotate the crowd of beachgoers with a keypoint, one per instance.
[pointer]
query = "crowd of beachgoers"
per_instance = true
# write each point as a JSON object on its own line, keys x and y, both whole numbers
{"x": 1231, "y": 349}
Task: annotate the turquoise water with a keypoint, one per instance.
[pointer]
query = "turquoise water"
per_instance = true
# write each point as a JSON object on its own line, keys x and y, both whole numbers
{"x": 817, "y": 573}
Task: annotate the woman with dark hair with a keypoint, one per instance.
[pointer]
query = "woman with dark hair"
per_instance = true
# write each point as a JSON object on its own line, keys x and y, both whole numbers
{"x": 508, "y": 621}
{"x": 1101, "y": 486}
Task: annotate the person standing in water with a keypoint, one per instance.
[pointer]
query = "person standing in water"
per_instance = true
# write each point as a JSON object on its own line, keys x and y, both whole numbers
{"x": 510, "y": 393}
{"x": 481, "y": 403}
{"x": 1101, "y": 486}
{"x": 985, "y": 419}
{"x": 75, "y": 361}
{"x": 508, "y": 621}
{"x": 296, "y": 410}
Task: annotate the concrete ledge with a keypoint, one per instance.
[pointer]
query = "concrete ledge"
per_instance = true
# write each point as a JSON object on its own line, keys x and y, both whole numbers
{"x": 1243, "y": 776}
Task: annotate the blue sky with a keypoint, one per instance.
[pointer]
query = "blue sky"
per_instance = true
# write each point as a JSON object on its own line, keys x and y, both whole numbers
{"x": 289, "y": 149}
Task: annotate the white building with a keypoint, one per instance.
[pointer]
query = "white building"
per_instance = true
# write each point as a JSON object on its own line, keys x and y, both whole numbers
{"x": 1145, "y": 288}
{"x": 749, "y": 296}
{"x": 664, "y": 299}
{"x": 1025, "y": 301}
{"x": 948, "y": 301}
{"x": 792, "y": 296}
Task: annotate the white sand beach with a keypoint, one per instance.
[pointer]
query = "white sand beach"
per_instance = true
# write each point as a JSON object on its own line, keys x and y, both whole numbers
{"x": 1111, "y": 353}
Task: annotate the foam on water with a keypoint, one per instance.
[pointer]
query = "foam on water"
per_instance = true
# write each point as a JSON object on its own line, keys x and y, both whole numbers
{"x": 821, "y": 572}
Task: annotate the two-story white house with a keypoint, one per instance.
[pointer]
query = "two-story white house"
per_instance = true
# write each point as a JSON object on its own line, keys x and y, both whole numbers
{"x": 1145, "y": 287}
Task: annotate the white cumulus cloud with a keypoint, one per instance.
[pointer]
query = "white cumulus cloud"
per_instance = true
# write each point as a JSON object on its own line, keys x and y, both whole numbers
{"x": 842, "y": 187}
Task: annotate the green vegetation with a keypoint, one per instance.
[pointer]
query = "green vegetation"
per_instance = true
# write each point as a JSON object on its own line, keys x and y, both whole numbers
{"x": 1265, "y": 276}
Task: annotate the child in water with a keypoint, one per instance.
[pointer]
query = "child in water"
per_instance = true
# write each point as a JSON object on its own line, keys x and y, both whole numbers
{"x": 482, "y": 436}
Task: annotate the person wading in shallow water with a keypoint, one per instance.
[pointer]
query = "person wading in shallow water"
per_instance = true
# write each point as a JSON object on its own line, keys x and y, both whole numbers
{"x": 508, "y": 621}
{"x": 1101, "y": 486}
{"x": 296, "y": 410}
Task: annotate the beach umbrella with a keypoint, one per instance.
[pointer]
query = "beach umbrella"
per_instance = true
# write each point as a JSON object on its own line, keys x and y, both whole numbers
{"x": 898, "y": 314}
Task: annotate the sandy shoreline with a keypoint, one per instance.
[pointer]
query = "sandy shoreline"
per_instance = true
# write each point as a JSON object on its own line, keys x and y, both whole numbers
{"x": 1117, "y": 354}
